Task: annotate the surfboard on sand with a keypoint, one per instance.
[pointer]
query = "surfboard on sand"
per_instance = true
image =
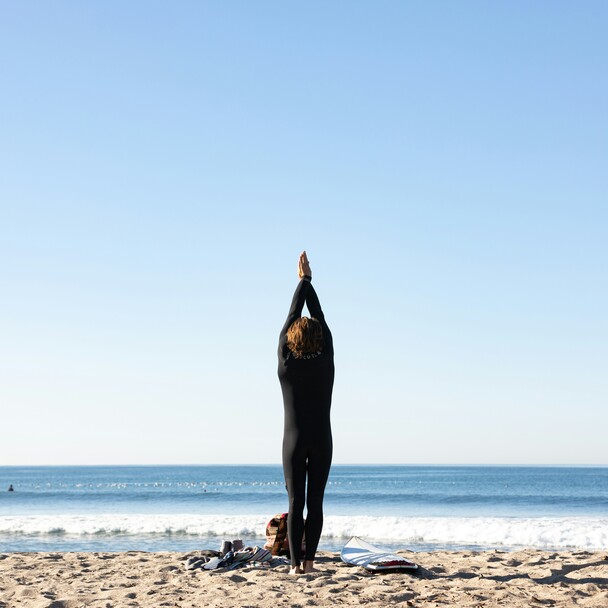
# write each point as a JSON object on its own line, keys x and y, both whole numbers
{"x": 360, "y": 553}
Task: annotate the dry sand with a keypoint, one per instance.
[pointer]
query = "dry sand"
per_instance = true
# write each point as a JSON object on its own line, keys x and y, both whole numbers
{"x": 466, "y": 578}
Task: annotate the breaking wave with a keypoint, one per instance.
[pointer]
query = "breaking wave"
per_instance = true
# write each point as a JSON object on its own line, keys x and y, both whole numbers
{"x": 541, "y": 532}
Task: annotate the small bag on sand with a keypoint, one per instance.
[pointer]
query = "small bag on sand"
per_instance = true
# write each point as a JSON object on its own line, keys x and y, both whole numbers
{"x": 276, "y": 535}
{"x": 277, "y": 541}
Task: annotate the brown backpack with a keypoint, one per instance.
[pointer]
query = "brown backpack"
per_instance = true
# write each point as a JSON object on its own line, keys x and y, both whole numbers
{"x": 277, "y": 541}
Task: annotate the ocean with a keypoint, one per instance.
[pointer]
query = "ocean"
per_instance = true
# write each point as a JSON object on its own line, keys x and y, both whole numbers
{"x": 182, "y": 508}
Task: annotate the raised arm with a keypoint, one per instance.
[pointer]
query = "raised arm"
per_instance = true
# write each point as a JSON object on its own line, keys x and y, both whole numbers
{"x": 297, "y": 303}
{"x": 314, "y": 308}
{"x": 313, "y": 304}
{"x": 299, "y": 297}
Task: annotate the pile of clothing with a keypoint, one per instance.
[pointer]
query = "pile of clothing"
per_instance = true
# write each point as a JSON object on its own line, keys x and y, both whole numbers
{"x": 232, "y": 556}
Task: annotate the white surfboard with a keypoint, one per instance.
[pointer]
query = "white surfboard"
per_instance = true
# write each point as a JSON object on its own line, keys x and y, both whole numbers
{"x": 360, "y": 553}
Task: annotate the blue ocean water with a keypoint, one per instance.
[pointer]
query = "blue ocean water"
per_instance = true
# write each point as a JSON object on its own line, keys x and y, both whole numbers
{"x": 416, "y": 507}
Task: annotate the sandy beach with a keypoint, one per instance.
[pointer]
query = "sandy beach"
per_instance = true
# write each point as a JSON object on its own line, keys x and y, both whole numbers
{"x": 445, "y": 578}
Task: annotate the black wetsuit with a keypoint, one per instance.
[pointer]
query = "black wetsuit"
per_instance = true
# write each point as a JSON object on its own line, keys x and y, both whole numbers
{"x": 307, "y": 385}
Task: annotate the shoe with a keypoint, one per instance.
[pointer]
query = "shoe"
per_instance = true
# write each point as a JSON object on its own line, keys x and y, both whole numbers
{"x": 212, "y": 564}
{"x": 226, "y": 546}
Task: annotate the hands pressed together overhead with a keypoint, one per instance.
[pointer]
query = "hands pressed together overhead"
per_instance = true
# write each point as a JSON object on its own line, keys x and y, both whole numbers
{"x": 304, "y": 266}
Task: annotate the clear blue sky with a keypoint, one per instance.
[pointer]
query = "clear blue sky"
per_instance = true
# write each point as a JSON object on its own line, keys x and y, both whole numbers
{"x": 162, "y": 164}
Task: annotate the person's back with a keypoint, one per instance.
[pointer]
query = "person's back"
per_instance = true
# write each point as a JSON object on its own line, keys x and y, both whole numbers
{"x": 307, "y": 389}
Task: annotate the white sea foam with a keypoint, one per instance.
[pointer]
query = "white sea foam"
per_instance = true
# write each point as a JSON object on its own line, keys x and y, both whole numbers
{"x": 542, "y": 532}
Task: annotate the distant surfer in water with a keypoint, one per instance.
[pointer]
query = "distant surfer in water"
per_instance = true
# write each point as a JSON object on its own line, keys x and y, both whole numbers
{"x": 306, "y": 374}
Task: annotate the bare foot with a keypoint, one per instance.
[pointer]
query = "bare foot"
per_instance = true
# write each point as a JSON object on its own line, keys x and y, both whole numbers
{"x": 309, "y": 566}
{"x": 295, "y": 570}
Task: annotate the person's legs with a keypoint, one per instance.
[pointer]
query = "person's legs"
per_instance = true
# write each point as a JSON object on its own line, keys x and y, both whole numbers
{"x": 319, "y": 463}
{"x": 294, "y": 468}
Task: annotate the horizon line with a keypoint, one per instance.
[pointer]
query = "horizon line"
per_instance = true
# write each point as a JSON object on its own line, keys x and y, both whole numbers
{"x": 338, "y": 464}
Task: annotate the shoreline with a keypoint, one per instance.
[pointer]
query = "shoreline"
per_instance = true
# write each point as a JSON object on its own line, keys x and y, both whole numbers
{"x": 490, "y": 578}
{"x": 186, "y": 532}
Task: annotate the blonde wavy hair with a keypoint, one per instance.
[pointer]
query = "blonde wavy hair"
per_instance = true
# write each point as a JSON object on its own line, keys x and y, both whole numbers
{"x": 305, "y": 336}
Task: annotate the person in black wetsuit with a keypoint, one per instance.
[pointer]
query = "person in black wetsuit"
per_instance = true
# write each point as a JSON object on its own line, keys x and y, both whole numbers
{"x": 306, "y": 374}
